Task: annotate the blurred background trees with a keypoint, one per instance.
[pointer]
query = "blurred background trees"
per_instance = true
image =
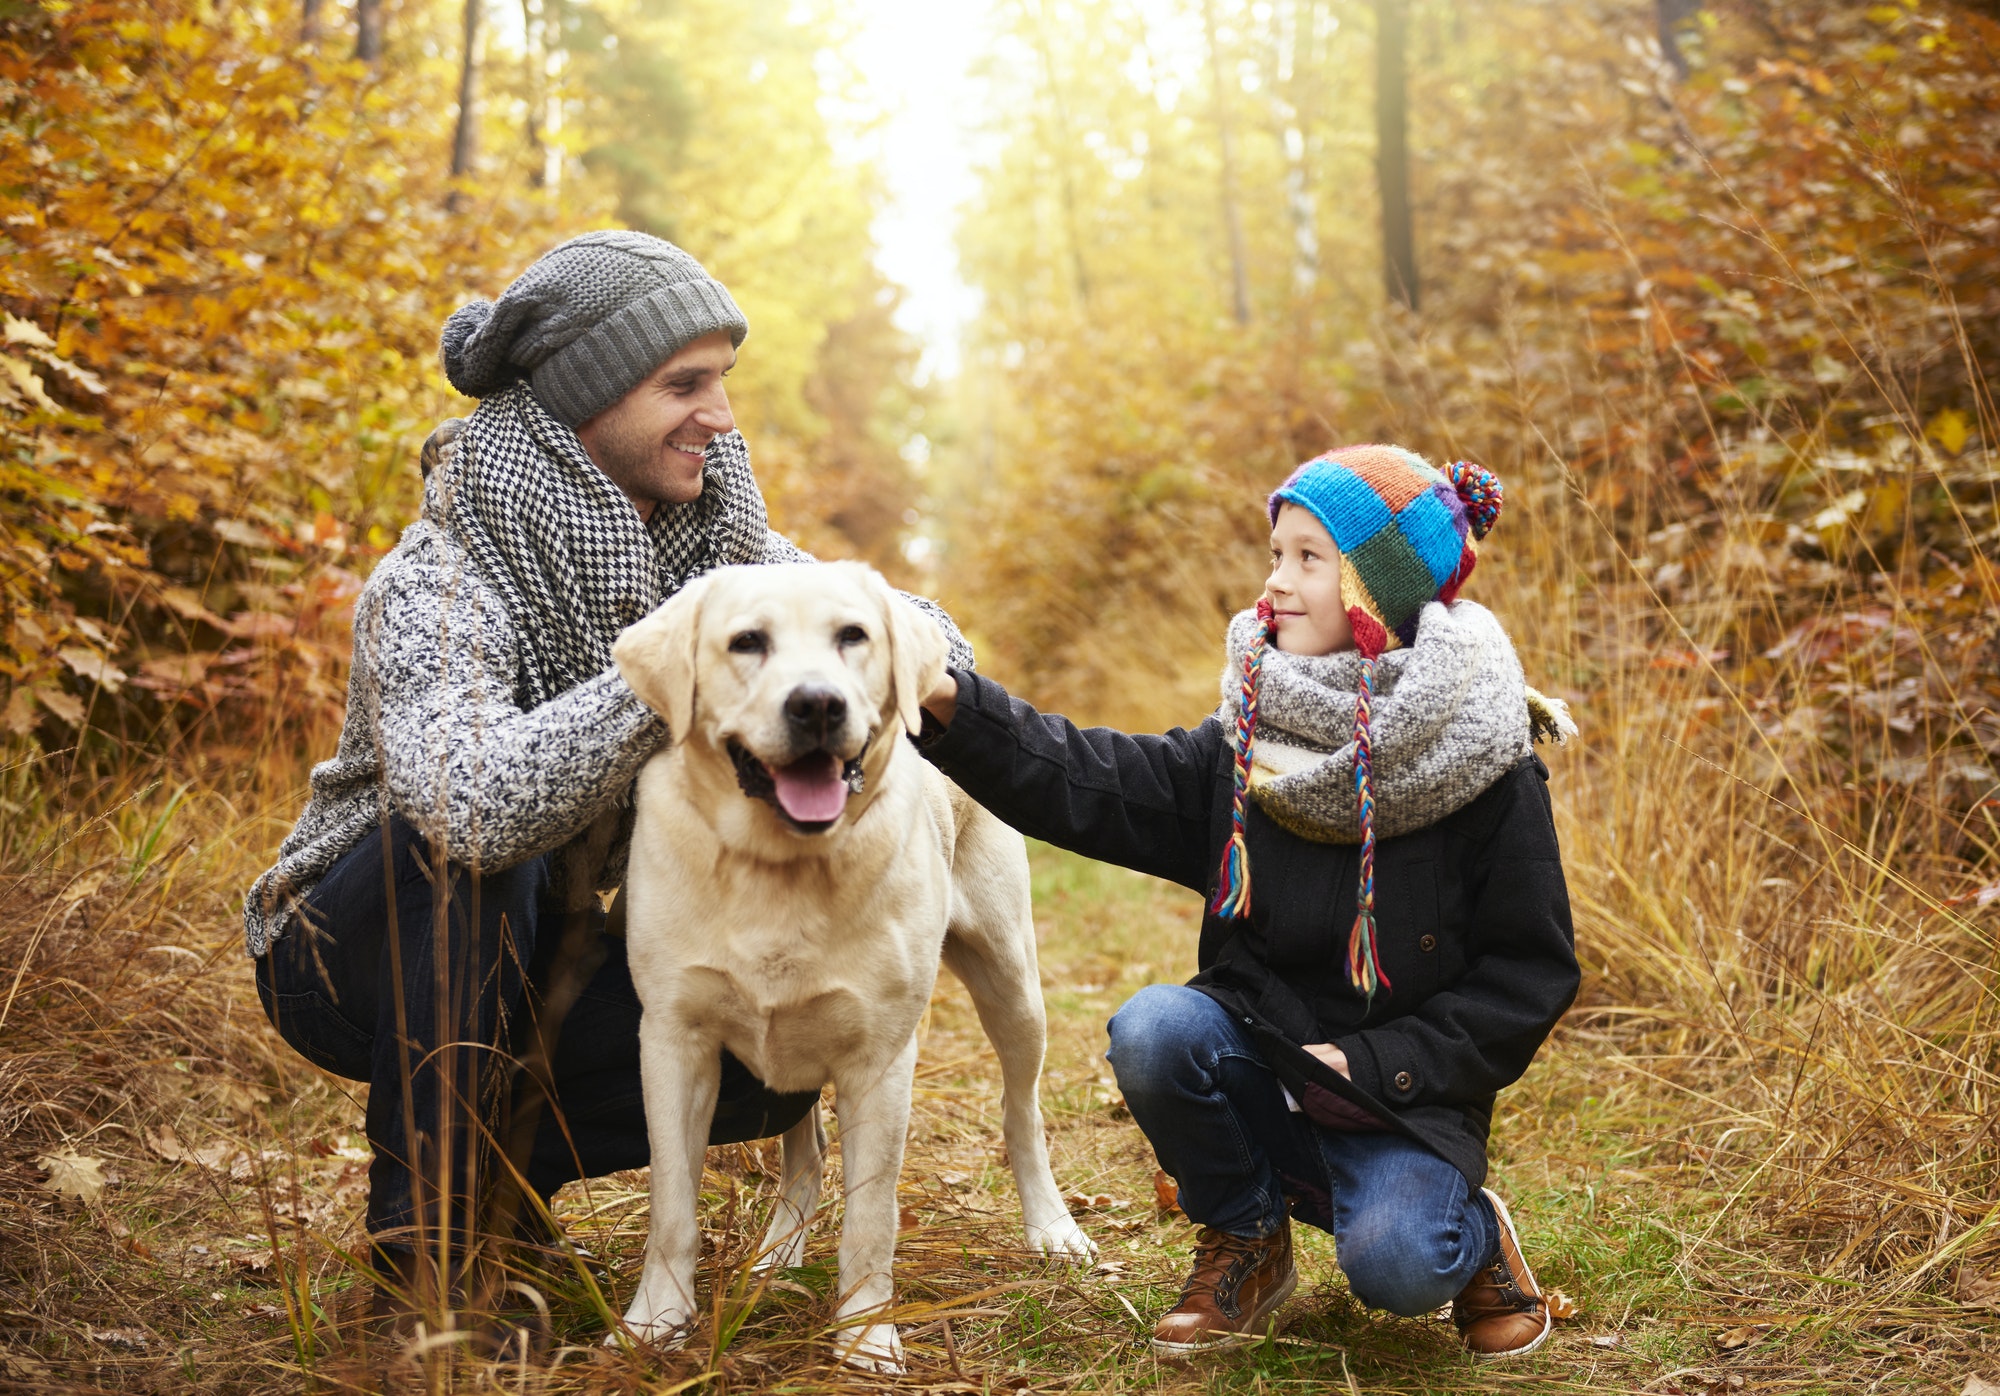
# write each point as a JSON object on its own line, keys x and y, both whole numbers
{"x": 231, "y": 232}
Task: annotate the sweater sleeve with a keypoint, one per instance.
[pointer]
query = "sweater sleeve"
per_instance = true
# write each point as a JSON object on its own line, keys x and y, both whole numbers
{"x": 459, "y": 756}
{"x": 1479, "y": 1035}
{"x": 778, "y": 548}
{"x": 1142, "y": 802}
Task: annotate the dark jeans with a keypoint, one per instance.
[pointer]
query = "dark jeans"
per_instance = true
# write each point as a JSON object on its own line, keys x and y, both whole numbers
{"x": 433, "y": 985}
{"x": 1410, "y": 1233}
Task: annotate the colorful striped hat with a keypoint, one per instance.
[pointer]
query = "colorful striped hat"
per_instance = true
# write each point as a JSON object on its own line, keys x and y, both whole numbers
{"x": 1408, "y": 535}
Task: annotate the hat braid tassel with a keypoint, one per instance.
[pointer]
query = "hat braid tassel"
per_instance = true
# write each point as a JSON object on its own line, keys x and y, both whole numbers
{"x": 1364, "y": 963}
{"x": 1232, "y": 887}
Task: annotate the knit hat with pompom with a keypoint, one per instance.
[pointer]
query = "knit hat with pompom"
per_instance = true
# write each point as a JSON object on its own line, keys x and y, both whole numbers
{"x": 587, "y": 322}
{"x": 1408, "y": 535}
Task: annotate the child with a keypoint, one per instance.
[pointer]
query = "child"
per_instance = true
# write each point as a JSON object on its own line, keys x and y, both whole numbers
{"x": 1388, "y": 936}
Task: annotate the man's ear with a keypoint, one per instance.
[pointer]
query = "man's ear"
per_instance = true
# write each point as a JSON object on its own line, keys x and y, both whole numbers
{"x": 917, "y": 654}
{"x": 656, "y": 657}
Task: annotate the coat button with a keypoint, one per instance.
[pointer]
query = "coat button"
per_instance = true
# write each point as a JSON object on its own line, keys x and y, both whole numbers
{"x": 1404, "y": 1080}
{"x": 1428, "y": 944}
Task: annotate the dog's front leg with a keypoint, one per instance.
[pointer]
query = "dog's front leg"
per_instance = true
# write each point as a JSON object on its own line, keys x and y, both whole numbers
{"x": 784, "y": 1244}
{"x": 680, "y": 1073}
{"x": 873, "y": 1106}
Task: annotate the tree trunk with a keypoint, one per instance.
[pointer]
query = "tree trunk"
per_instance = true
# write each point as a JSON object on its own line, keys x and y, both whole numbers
{"x": 368, "y": 30}
{"x": 1669, "y": 14}
{"x": 534, "y": 69}
{"x": 465, "y": 141}
{"x": 1392, "y": 154}
{"x": 1298, "y": 73}
{"x": 1232, "y": 217}
{"x": 309, "y": 22}
{"x": 1064, "y": 146}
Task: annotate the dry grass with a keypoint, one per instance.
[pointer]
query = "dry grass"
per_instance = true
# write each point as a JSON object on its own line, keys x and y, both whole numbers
{"x": 1735, "y": 1147}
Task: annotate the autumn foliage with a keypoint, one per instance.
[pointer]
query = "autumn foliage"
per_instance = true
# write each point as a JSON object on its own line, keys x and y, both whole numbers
{"x": 228, "y": 253}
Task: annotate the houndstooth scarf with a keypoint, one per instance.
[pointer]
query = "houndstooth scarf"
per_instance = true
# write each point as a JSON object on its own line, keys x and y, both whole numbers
{"x": 568, "y": 554}
{"x": 1451, "y": 715}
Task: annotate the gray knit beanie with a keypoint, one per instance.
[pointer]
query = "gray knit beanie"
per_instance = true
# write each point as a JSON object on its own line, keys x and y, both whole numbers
{"x": 587, "y": 322}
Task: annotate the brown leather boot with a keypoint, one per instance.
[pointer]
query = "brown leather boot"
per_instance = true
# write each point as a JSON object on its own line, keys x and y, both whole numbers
{"x": 1236, "y": 1285}
{"x": 1502, "y": 1313}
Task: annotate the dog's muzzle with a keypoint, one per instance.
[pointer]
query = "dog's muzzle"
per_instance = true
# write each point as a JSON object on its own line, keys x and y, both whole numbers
{"x": 809, "y": 794}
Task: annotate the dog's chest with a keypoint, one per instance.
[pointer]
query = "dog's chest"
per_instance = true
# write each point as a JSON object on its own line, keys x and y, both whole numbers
{"x": 791, "y": 1011}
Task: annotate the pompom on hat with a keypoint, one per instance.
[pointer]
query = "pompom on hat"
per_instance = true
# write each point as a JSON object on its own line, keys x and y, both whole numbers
{"x": 1408, "y": 534}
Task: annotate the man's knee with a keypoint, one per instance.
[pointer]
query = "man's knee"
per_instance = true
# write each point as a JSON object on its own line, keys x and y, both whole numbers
{"x": 1158, "y": 1037}
{"x": 1401, "y": 1263}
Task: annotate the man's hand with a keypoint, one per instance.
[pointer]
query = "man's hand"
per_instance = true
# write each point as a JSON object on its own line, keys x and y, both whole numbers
{"x": 942, "y": 702}
{"x": 1331, "y": 1055}
{"x": 441, "y": 445}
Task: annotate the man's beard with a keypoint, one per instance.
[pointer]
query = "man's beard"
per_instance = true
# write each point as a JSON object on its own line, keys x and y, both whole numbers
{"x": 637, "y": 462}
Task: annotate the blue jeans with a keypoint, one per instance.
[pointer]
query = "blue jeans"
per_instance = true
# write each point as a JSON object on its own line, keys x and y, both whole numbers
{"x": 1408, "y": 1230}
{"x": 433, "y": 985}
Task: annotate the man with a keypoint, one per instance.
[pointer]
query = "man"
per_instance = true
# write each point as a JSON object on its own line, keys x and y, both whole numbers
{"x": 433, "y": 924}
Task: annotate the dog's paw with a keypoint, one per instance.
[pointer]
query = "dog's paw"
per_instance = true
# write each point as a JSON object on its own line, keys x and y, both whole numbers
{"x": 1063, "y": 1239}
{"x": 876, "y": 1348}
{"x": 664, "y": 1332}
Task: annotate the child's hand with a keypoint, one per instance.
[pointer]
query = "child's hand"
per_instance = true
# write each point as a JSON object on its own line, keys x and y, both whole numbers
{"x": 1332, "y": 1056}
{"x": 942, "y": 702}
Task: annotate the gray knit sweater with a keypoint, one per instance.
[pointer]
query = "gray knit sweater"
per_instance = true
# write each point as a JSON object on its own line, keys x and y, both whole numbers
{"x": 436, "y": 732}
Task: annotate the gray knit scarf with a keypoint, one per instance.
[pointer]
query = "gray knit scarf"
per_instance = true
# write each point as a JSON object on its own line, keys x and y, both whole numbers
{"x": 1451, "y": 715}
{"x": 568, "y": 554}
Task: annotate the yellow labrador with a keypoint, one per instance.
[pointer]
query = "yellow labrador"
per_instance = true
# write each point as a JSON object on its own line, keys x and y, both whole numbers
{"x": 798, "y": 870}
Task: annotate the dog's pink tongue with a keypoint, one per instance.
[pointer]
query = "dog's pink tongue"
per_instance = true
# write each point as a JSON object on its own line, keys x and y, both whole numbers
{"x": 810, "y": 790}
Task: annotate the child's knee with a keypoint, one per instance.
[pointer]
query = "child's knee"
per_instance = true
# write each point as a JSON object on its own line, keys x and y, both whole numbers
{"x": 1405, "y": 1269}
{"x": 1155, "y": 1038}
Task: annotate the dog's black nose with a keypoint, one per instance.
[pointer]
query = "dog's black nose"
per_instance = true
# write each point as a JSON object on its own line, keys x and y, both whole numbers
{"x": 816, "y": 709}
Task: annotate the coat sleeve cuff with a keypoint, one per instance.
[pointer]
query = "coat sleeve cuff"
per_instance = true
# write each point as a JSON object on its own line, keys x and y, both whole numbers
{"x": 1382, "y": 1076}
{"x": 978, "y": 698}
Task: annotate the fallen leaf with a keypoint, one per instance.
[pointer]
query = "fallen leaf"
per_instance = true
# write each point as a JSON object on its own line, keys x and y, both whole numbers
{"x": 21, "y": 1366}
{"x": 1604, "y": 1340}
{"x": 1092, "y": 1201}
{"x": 263, "y": 1311}
{"x": 1166, "y": 1192}
{"x": 908, "y": 1220}
{"x": 252, "y": 1262}
{"x": 1976, "y": 1385}
{"x": 1561, "y": 1306}
{"x": 83, "y": 885}
{"x": 1736, "y": 1339}
{"x": 1109, "y": 1269}
{"x": 954, "y": 1180}
{"x": 73, "y": 1175}
{"x": 128, "y": 1339}
{"x": 166, "y": 1143}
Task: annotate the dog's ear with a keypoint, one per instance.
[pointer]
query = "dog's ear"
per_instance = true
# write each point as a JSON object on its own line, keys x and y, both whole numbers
{"x": 656, "y": 657}
{"x": 917, "y": 654}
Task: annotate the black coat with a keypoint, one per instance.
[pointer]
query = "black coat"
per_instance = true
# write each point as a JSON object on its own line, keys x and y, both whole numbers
{"x": 1472, "y": 913}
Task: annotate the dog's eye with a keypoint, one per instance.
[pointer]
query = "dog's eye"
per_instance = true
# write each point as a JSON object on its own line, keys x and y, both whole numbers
{"x": 749, "y": 642}
{"x": 852, "y": 635}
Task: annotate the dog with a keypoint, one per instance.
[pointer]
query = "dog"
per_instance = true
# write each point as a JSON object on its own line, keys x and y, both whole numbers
{"x": 798, "y": 872}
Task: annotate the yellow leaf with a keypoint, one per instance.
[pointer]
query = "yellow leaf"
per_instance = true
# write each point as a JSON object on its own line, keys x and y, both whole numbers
{"x": 89, "y": 664}
{"x": 66, "y": 706}
{"x": 1950, "y": 430}
{"x": 73, "y": 1175}
{"x": 20, "y": 717}
{"x": 27, "y": 382}
{"x": 19, "y": 331}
